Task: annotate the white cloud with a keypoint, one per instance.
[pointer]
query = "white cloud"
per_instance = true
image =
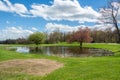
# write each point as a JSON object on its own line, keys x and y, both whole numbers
{"x": 35, "y": 29}
{"x": 65, "y": 10}
{"x": 66, "y": 28}
{"x": 59, "y": 10}
{"x": 3, "y": 7}
{"x": 50, "y": 27}
{"x": 102, "y": 27}
{"x": 115, "y": 4}
{"x": 14, "y": 33}
{"x": 7, "y": 6}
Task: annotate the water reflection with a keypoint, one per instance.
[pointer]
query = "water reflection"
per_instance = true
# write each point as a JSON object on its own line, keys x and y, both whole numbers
{"x": 66, "y": 51}
{"x": 36, "y": 50}
{"x": 22, "y": 49}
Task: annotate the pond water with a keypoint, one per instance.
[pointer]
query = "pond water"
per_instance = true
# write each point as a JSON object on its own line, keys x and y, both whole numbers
{"x": 65, "y": 51}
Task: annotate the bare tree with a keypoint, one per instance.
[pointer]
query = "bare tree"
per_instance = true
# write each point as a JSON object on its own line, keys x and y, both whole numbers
{"x": 110, "y": 15}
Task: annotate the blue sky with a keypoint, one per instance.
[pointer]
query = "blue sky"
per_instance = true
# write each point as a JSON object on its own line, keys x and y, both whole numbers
{"x": 20, "y": 18}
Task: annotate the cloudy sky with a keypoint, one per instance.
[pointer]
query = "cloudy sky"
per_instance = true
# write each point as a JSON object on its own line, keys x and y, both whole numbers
{"x": 19, "y": 18}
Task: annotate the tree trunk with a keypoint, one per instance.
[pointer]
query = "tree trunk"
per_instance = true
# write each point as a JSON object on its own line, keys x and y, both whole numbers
{"x": 81, "y": 44}
{"x": 118, "y": 32}
{"x": 118, "y": 38}
{"x": 116, "y": 26}
{"x": 36, "y": 48}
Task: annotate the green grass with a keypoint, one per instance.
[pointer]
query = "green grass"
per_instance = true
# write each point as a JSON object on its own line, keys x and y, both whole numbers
{"x": 87, "y": 68}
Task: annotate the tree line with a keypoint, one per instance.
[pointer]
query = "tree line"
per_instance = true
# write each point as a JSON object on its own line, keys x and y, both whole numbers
{"x": 82, "y": 35}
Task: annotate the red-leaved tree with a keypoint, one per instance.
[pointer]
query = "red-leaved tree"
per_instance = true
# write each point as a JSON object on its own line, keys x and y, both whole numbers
{"x": 81, "y": 35}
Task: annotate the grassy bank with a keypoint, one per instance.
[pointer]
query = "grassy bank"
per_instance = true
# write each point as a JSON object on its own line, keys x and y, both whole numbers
{"x": 87, "y": 68}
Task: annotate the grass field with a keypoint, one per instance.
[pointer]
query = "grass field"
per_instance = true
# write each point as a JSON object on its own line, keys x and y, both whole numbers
{"x": 87, "y": 68}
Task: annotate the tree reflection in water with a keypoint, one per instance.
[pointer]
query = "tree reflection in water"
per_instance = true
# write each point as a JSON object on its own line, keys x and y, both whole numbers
{"x": 68, "y": 51}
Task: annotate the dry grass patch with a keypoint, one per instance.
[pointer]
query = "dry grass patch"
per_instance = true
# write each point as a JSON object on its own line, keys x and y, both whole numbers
{"x": 30, "y": 66}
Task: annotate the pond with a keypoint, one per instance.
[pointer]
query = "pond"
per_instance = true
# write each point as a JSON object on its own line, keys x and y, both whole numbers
{"x": 64, "y": 51}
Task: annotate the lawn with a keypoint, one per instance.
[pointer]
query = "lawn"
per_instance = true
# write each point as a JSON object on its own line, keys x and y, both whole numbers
{"x": 87, "y": 68}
